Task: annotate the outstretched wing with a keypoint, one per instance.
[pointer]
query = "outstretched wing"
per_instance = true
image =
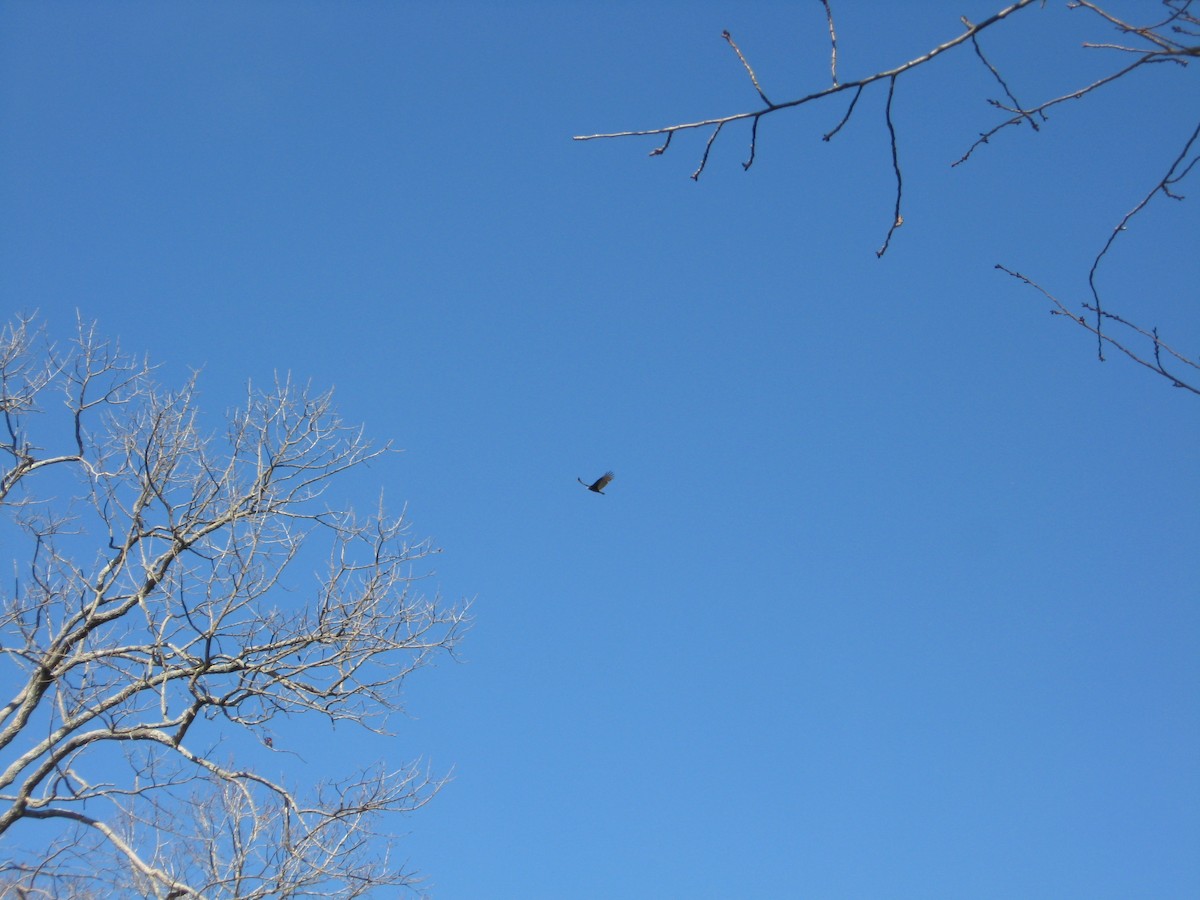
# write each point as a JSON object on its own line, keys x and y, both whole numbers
{"x": 601, "y": 482}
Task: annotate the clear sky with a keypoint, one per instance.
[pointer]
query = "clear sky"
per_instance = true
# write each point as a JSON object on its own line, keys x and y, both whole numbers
{"x": 896, "y": 592}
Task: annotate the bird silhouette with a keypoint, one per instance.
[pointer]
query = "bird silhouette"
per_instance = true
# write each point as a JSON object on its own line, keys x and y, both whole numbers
{"x": 599, "y": 484}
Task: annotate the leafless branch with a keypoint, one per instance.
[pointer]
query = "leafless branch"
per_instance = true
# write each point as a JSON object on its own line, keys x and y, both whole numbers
{"x": 1154, "y": 34}
{"x": 897, "y": 218}
{"x": 818, "y": 95}
{"x": 1022, "y": 115}
{"x": 716, "y": 124}
{"x": 1154, "y": 362}
{"x": 1004, "y": 84}
{"x": 1178, "y": 171}
{"x": 707, "y": 149}
{"x": 753, "y": 145}
{"x": 159, "y": 604}
{"x": 846, "y": 118}
{"x": 1165, "y": 49}
{"x": 1173, "y": 38}
{"x": 832, "y": 43}
{"x": 749, "y": 71}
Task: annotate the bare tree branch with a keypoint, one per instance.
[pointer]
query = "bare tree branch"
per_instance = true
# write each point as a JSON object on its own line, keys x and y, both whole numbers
{"x": 890, "y": 75}
{"x": 750, "y": 71}
{"x": 1178, "y": 171}
{"x": 1154, "y": 362}
{"x": 835, "y": 89}
{"x": 159, "y": 607}
{"x": 832, "y": 43}
{"x": 1003, "y": 84}
{"x": 897, "y": 218}
{"x": 1026, "y": 115}
{"x": 1173, "y": 38}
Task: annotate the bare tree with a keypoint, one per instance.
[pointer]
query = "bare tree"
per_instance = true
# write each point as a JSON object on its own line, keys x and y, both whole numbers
{"x": 1172, "y": 37}
{"x": 154, "y": 611}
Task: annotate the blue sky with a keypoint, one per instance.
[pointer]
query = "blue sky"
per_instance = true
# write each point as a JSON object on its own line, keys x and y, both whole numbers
{"x": 895, "y": 592}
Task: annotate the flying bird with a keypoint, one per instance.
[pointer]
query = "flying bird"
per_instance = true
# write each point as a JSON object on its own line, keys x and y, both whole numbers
{"x": 599, "y": 484}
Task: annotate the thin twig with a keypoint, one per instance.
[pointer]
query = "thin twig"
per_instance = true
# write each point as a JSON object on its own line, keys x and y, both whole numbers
{"x": 1090, "y": 45}
{"x": 1172, "y": 177}
{"x": 707, "y": 148}
{"x": 862, "y": 82}
{"x": 1020, "y": 115}
{"x": 846, "y": 117}
{"x": 753, "y": 143}
{"x": 1003, "y": 84}
{"x": 897, "y": 218}
{"x": 1152, "y": 335}
{"x": 753, "y": 78}
{"x": 1146, "y": 32}
{"x": 832, "y": 42}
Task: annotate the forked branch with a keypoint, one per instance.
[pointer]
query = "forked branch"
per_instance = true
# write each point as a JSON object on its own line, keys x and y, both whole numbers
{"x": 1174, "y": 38}
{"x": 1155, "y": 360}
{"x": 156, "y": 610}
{"x": 754, "y": 116}
{"x": 1165, "y": 39}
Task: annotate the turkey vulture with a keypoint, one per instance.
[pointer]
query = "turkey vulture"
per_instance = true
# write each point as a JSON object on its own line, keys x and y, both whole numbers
{"x": 599, "y": 484}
